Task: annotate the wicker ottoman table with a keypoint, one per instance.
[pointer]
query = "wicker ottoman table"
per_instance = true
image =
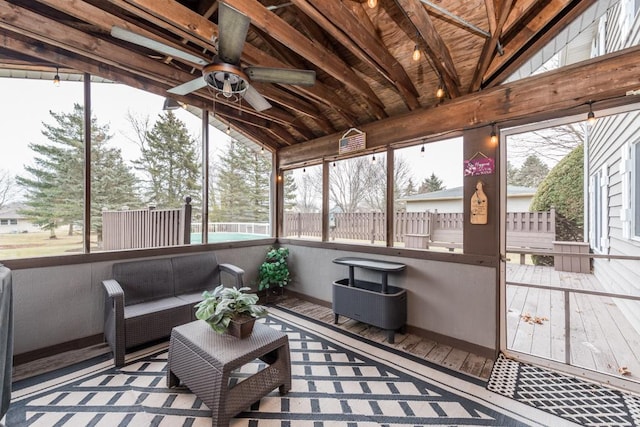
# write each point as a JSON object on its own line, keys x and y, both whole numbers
{"x": 203, "y": 360}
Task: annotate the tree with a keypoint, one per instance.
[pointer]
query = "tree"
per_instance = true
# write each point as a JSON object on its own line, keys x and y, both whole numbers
{"x": 54, "y": 187}
{"x": 243, "y": 184}
{"x": 433, "y": 183}
{"x": 551, "y": 144}
{"x": 169, "y": 160}
{"x": 530, "y": 174}
{"x": 410, "y": 188}
{"x": 8, "y": 188}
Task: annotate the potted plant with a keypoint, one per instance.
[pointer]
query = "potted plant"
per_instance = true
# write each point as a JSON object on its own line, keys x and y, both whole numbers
{"x": 274, "y": 271}
{"x": 230, "y": 310}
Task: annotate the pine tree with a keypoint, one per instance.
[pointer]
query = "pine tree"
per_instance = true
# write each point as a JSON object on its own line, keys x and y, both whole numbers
{"x": 243, "y": 185}
{"x": 170, "y": 161}
{"x": 531, "y": 173}
{"x": 410, "y": 189}
{"x": 54, "y": 185}
{"x": 433, "y": 183}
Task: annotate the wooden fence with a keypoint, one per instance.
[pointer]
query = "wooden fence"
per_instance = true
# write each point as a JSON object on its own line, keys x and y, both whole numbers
{"x": 535, "y": 230}
{"x": 146, "y": 228}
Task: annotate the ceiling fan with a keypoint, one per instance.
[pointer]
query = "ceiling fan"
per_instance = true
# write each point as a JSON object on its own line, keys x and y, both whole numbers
{"x": 225, "y": 73}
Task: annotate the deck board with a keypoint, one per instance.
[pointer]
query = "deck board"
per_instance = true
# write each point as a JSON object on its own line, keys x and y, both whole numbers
{"x": 602, "y": 339}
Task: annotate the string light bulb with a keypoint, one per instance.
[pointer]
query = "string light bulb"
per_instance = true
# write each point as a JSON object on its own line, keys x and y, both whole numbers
{"x": 422, "y": 151}
{"x": 494, "y": 135}
{"x": 56, "y": 79}
{"x": 372, "y": 3}
{"x": 591, "y": 117}
{"x": 373, "y": 158}
{"x": 229, "y": 129}
{"x": 416, "y": 53}
{"x": 440, "y": 92}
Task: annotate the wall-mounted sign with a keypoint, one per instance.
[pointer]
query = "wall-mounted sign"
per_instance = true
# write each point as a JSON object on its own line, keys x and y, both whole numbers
{"x": 352, "y": 140}
{"x": 479, "y": 164}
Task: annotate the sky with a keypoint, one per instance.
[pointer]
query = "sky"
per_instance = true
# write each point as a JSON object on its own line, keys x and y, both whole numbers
{"x": 31, "y": 101}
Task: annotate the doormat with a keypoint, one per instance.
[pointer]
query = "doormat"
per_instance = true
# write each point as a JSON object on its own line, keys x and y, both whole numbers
{"x": 583, "y": 402}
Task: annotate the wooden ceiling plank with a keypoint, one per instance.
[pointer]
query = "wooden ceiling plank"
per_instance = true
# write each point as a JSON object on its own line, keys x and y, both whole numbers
{"x": 491, "y": 15}
{"x": 170, "y": 13}
{"x": 277, "y": 28}
{"x": 564, "y": 91}
{"x": 522, "y": 48}
{"x": 344, "y": 26}
{"x": 23, "y": 21}
{"x": 490, "y": 47}
{"x": 437, "y": 49}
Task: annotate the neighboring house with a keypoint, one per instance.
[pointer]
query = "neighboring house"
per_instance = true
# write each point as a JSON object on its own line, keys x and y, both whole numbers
{"x": 613, "y": 160}
{"x": 13, "y": 222}
{"x": 450, "y": 200}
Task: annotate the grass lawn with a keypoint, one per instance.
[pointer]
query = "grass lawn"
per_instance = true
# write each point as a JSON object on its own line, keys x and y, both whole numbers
{"x": 31, "y": 245}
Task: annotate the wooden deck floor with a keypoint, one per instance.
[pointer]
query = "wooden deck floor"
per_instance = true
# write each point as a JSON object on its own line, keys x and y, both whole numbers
{"x": 443, "y": 355}
{"x": 602, "y": 339}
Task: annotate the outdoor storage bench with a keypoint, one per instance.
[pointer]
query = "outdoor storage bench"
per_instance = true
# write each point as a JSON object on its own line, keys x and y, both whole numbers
{"x": 145, "y": 299}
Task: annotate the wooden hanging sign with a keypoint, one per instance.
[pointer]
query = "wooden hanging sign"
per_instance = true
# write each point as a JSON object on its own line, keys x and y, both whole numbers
{"x": 351, "y": 141}
{"x": 479, "y": 164}
{"x": 479, "y": 205}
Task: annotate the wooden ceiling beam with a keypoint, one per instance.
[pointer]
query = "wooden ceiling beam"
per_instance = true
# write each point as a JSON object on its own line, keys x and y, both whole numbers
{"x": 23, "y": 21}
{"x": 207, "y": 31}
{"x": 436, "y": 47}
{"x": 537, "y": 34}
{"x": 339, "y": 21}
{"x": 279, "y": 29}
{"x": 562, "y": 92}
{"x": 490, "y": 47}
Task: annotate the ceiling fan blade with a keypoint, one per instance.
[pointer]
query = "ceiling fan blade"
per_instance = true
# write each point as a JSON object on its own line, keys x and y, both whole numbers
{"x": 188, "y": 87}
{"x": 131, "y": 37}
{"x": 257, "y": 101}
{"x": 232, "y": 27}
{"x": 281, "y": 75}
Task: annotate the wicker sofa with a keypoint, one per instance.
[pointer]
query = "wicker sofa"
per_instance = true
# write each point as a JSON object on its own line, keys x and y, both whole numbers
{"x": 145, "y": 299}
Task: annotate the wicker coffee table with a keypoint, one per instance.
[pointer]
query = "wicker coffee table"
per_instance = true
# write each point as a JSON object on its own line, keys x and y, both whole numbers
{"x": 203, "y": 360}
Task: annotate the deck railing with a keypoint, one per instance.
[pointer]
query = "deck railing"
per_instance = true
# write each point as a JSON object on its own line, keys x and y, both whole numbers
{"x": 534, "y": 230}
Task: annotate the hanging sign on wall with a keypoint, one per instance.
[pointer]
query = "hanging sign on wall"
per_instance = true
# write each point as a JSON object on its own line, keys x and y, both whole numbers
{"x": 479, "y": 164}
{"x": 352, "y": 140}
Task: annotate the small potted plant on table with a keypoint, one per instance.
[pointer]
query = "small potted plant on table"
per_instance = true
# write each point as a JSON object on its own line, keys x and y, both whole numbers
{"x": 274, "y": 271}
{"x": 230, "y": 310}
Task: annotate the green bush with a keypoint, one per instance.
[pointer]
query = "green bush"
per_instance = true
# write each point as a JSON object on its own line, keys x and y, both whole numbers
{"x": 562, "y": 189}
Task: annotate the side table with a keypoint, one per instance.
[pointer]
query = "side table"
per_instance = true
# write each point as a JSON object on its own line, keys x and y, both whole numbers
{"x": 203, "y": 360}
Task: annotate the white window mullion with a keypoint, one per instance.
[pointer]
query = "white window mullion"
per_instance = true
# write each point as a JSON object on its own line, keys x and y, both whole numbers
{"x": 604, "y": 206}
{"x": 625, "y": 184}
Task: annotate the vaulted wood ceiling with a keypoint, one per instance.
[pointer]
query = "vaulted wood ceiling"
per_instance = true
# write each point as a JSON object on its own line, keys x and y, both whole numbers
{"x": 362, "y": 56}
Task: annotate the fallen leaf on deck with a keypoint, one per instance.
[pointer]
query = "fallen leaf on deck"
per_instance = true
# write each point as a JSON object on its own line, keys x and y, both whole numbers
{"x": 623, "y": 370}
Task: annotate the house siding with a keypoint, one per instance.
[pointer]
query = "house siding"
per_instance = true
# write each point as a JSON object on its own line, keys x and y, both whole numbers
{"x": 609, "y": 136}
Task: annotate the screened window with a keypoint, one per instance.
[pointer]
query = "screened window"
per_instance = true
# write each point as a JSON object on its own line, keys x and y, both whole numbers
{"x": 428, "y": 202}
{"x": 303, "y": 203}
{"x": 636, "y": 189}
{"x": 357, "y": 200}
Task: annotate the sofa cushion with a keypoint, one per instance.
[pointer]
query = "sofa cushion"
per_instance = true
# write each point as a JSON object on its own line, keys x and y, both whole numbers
{"x": 195, "y": 273}
{"x": 145, "y": 280}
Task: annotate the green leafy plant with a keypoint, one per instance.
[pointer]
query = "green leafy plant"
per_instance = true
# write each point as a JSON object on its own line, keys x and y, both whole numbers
{"x": 220, "y": 306}
{"x": 274, "y": 271}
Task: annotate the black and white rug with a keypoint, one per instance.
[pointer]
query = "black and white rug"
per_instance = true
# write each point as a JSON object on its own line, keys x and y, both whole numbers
{"x": 337, "y": 380}
{"x": 581, "y": 401}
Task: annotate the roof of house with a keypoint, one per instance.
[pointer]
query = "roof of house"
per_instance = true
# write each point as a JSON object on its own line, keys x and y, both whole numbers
{"x": 456, "y": 193}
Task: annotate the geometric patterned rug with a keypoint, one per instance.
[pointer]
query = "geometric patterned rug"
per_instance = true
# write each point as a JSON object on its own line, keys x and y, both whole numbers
{"x": 580, "y": 401}
{"x": 338, "y": 379}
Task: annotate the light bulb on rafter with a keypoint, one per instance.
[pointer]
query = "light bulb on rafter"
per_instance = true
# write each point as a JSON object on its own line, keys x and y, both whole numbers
{"x": 56, "y": 79}
{"x": 372, "y": 3}
{"x": 591, "y": 117}
{"x": 416, "y": 53}
{"x": 422, "y": 150}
